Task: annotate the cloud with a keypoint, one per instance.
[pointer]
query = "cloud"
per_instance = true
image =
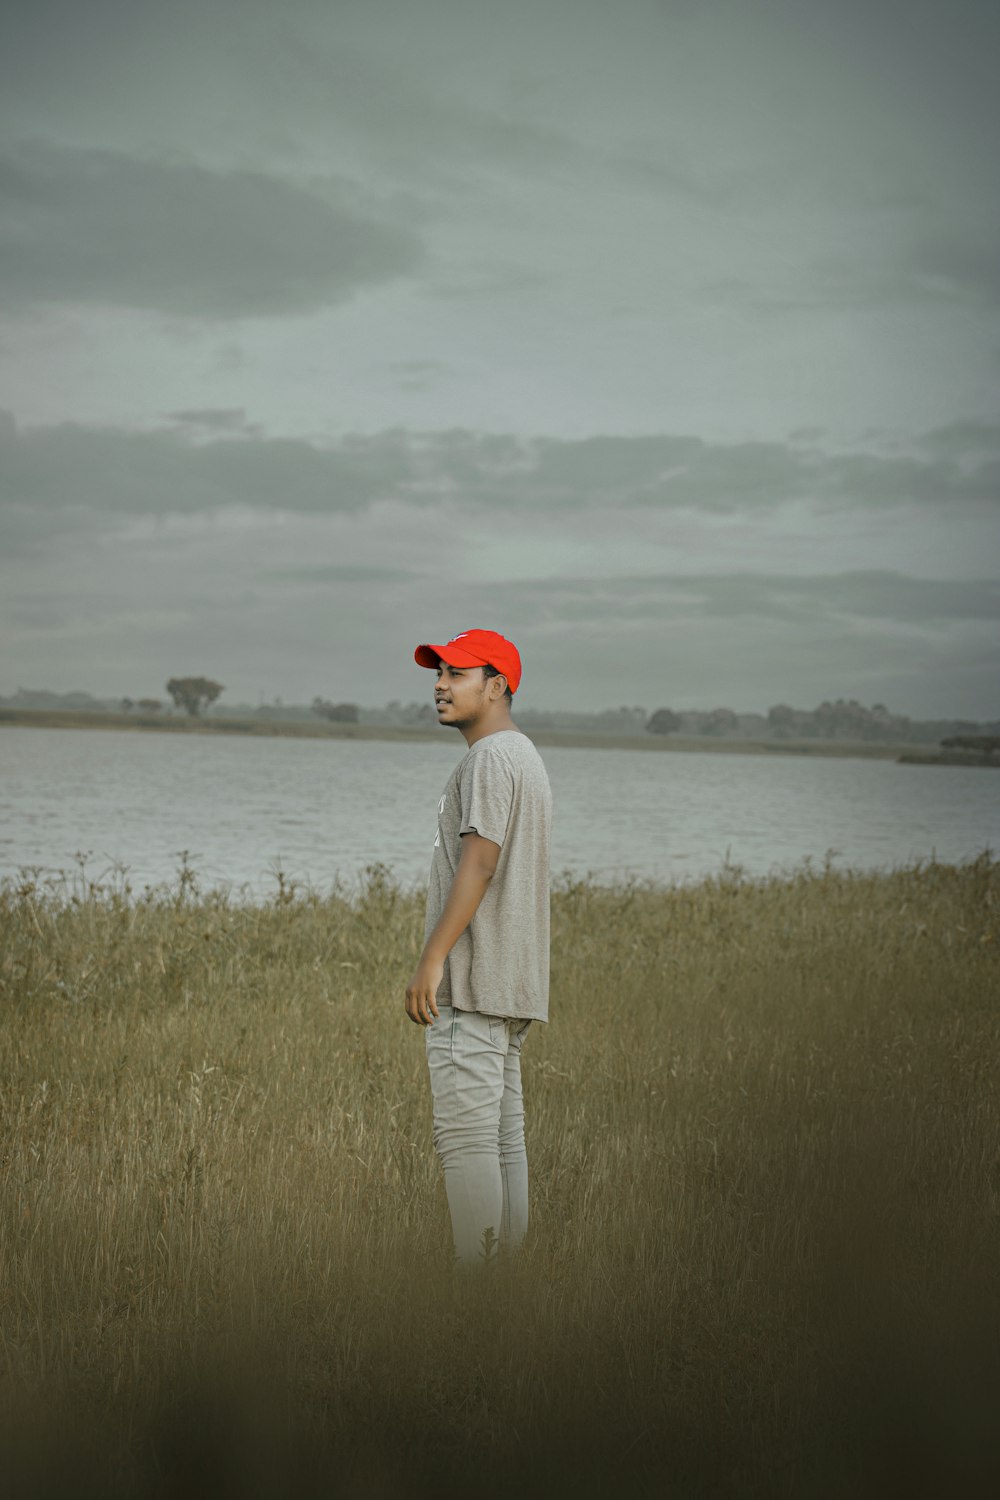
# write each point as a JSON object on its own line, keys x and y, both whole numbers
{"x": 964, "y": 441}
{"x": 161, "y": 473}
{"x": 959, "y": 269}
{"x": 417, "y": 367}
{"x": 902, "y": 271}
{"x": 215, "y": 419}
{"x": 476, "y": 281}
{"x": 106, "y": 228}
{"x": 854, "y": 598}
{"x": 325, "y": 598}
{"x": 924, "y": 646}
{"x": 212, "y": 461}
{"x": 335, "y": 573}
{"x": 130, "y": 616}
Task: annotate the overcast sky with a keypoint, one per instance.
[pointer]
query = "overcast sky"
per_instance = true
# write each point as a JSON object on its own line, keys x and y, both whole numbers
{"x": 662, "y": 337}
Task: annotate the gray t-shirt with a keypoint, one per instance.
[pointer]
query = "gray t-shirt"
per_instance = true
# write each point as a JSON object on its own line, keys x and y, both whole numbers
{"x": 500, "y": 964}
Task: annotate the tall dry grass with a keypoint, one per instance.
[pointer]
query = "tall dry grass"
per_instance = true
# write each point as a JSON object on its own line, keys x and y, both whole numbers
{"x": 763, "y": 1137}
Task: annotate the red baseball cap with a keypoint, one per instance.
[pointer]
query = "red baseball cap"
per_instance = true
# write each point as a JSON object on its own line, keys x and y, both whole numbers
{"x": 475, "y": 648}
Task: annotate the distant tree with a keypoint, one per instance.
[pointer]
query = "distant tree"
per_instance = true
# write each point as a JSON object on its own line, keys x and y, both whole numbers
{"x": 127, "y": 705}
{"x": 190, "y": 693}
{"x": 663, "y": 721}
{"x": 337, "y": 713}
{"x": 150, "y": 705}
{"x": 843, "y": 720}
{"x": 986, "y": 744}
{"x": 721, "y": 721}
{"x": 620, "y": 720}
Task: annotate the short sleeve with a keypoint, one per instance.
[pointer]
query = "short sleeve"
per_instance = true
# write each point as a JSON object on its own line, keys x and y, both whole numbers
{"x": 486, "y": 790}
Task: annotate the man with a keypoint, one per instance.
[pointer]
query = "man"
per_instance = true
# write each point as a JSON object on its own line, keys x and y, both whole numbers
{"x": 483, "y": 976}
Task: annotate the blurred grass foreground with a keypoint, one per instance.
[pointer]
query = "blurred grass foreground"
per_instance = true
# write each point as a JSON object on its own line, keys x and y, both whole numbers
{"x": 763, "y": 1137}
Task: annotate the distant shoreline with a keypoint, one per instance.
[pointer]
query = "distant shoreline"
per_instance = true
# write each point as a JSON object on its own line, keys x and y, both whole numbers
{"x": 903, "y": 752}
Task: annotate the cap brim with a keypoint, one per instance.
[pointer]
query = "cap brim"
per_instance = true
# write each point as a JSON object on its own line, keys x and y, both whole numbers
{"x": 429, "y": 656}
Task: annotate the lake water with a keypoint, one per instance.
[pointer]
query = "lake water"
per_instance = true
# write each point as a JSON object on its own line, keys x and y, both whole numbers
{"x": 326, "y": 809}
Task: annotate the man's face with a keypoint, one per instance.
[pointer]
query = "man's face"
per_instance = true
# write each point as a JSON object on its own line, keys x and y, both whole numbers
{"x": 460, "y": 695}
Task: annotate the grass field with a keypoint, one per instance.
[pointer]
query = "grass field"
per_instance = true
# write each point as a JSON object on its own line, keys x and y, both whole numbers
{"x": 763, "y": 1136}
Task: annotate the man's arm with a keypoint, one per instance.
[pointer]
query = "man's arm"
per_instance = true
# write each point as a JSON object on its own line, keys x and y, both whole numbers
{"x": 476, "y": 865}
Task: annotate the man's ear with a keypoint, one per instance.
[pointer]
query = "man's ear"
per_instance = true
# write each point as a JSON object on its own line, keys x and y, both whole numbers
{"x": 501, "y": 680}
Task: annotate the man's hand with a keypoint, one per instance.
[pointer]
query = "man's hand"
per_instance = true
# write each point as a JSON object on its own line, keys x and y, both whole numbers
{"x": 421, "y": 992}
{"x": 476, "y": 865}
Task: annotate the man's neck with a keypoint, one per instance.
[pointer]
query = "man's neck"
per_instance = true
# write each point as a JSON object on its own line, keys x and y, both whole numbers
{"x": 492, "y": 723}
